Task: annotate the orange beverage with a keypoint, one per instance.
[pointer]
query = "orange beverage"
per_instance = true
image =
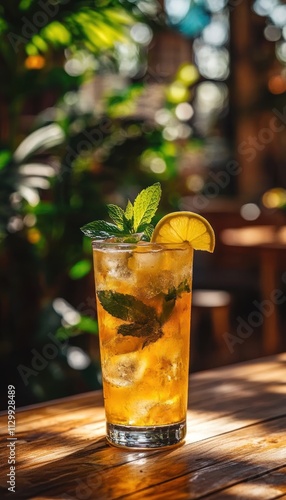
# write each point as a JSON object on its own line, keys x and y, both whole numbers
{"x": 143, "y": 293}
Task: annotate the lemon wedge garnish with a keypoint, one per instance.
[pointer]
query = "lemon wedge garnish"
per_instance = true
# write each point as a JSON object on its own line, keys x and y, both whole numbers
{"x": 178, "y": 227}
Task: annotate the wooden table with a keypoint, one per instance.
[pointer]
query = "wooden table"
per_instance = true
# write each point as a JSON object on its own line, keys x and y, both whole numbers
{"x": 235, "y": 446}
{"x": 269, "y": 242}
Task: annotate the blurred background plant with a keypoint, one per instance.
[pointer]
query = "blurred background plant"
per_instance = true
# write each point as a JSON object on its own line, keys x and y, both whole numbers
{"x": 63, "y": 155}
{"x": 99, "y": 99}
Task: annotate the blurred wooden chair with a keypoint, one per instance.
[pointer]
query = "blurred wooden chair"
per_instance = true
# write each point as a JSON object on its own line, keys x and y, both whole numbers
{"x": 217, "y": 304}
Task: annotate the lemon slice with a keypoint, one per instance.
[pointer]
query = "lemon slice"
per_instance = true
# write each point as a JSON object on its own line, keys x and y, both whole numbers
{"x": 178, "y": 227}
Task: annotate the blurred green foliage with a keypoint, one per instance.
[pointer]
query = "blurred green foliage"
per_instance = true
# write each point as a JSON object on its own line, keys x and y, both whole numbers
{"x": 59, "y": 172}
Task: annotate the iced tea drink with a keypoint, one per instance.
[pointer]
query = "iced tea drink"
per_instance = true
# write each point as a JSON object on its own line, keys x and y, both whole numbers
{"x": 143, "y": 294}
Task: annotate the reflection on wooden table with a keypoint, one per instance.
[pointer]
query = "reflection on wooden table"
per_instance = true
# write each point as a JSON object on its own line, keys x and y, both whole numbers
{"x": 235, "y": 446}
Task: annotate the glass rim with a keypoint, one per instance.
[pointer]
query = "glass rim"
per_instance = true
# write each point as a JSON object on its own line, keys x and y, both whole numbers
{"x": 99, "y": 244}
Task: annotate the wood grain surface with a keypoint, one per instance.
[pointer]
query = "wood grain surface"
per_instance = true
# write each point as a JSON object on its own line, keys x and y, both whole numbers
{"x": 235, "y": 446}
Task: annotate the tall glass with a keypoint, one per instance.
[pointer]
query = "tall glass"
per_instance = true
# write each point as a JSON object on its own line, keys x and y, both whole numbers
{"x": 143, "y": 294}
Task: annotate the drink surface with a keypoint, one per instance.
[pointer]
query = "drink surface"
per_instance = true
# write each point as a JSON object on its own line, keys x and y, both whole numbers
{"x": 143, "y": 304}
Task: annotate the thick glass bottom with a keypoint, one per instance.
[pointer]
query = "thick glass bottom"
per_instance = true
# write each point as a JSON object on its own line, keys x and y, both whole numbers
{"x": 145, "y": 437}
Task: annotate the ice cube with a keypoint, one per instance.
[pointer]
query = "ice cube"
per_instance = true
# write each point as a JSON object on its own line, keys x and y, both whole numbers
{"x": 164, "y": 411}
{"x": 151, "y": 412}
{"x": 114, "y": 264}
{"x": 146, "y": 260}
{"x": 152, "y": 285}
{"x": 168, "y": 359}
{"x": 122, "y": 345}
{"x": 123, "y": 370}
{"x": 140, "y": 409}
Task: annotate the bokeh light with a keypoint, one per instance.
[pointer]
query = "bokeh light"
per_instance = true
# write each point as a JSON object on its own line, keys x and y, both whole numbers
{"x": 278, "y": 15}
{"x": 15, "y": 224}
{"x": 158, "y": 165}
{"x": 274, "y": 198}
{"x": 211, "y": 95}
{"x": 188, "y": 74}
{"x": 213, "y": 63}
{"x": 128, "y": 58}
{"x": 141, "y": 33}
{"x": 216, "y": 5}
{"x": 281, "y": 51}
{"x": 250, "y": 211}
{"x": 77, "y": 358}
{"x": 177, "y": 9}
{"x": 177, "y": 92}
{"x": 79, "y": 63}
{"x": 195, "y": 183}
{"x": 35, "y": 62}
{"x": 264, "y": 7}
{"x": 272, "y": 33}
{"x": 163, "y": 116}
{"x": 216, "y": 33}
{"x": 277, "y": 84}
{"x": 184, "y": 111}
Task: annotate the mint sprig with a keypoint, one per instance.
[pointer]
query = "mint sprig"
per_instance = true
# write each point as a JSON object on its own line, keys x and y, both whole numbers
{"x": 101, "y": 230}
{"x": 143, "y": 320}
{"x": 145, "y": 207}
{"x": 134, "y": 219}
{"x": 126, "y": 307}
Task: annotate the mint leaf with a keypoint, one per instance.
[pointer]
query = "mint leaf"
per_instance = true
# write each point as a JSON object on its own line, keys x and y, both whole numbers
{"x": 129, "y": 210}
{"x": 170, "y": 300}
{"x": 168, "y": 306}
{"x": 116, "y": 214}
{"x": 143, "y": 319}
{"x": 128, "y": 225}
{"x": 151, "y": 330}
{"x": 133, "y": 220}
{"x": 145, "y": 205}
{"x": 126, "y": 307}
{"x": 156, "y": 333}
{"x": 137, "y": 329}
{"x": 100, "y": 229}
{"x": 148, "y": 231}
{"x": 173, "y": 292}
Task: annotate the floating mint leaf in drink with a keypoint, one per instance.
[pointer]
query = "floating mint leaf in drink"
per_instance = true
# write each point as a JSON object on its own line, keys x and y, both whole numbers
{"x": 170, "y": 299}
{"x": 135, "y": 220}
{"x": 126, "y": 307}
{"x": 137, "y": 330}
{"x": 143, "y": 319}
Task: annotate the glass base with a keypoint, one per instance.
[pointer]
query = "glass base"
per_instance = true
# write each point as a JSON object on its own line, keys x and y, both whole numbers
{"x": 145, "y": 437}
